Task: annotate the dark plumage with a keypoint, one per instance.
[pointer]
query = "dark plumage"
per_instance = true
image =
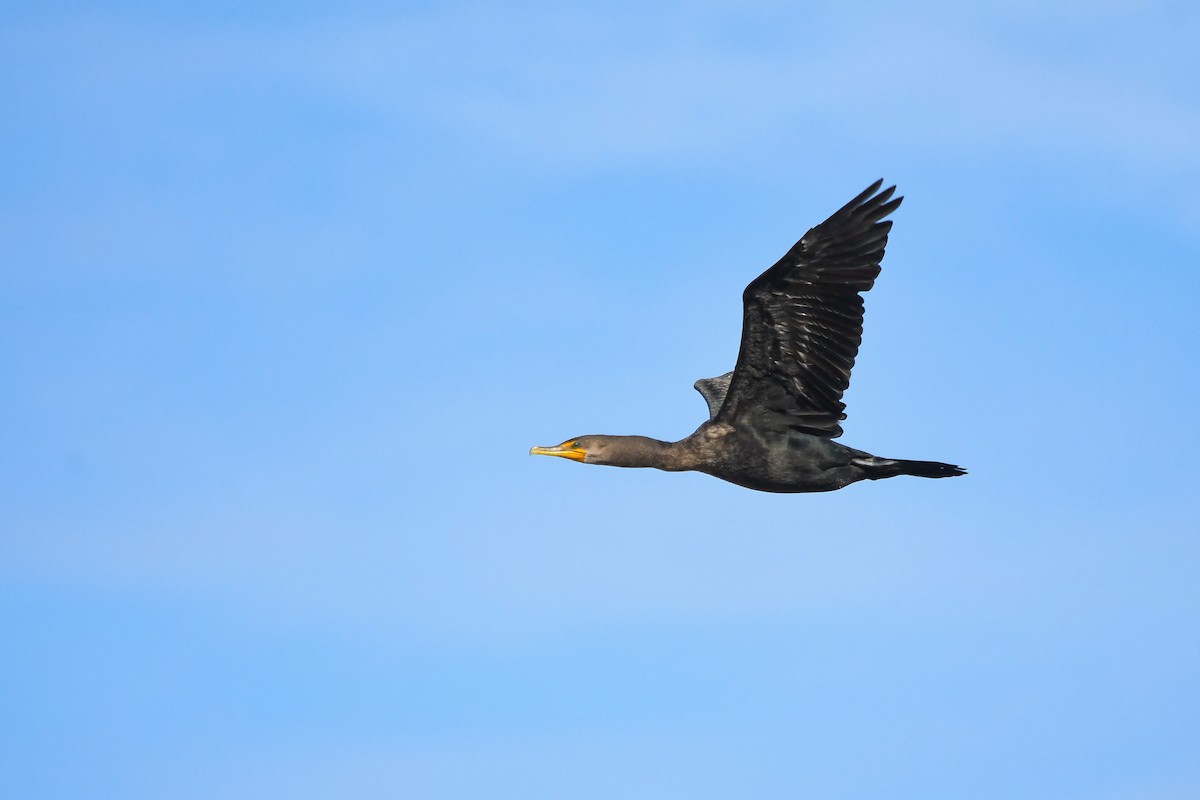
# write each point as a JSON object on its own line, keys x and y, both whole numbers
{"x": 773, "y": 419}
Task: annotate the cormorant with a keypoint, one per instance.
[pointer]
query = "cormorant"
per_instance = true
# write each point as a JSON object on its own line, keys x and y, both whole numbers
{"x": 773, "y": 419}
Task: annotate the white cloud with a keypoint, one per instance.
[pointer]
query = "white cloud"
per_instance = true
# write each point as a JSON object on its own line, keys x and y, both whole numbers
{"x": 932, "y": 82}
{"x": 699, "y": 82}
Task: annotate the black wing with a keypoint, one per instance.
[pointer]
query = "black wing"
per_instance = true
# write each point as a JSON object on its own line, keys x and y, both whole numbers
{"x": 802, "y": 322}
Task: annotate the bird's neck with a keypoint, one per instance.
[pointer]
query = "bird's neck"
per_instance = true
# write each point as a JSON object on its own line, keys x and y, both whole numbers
{"x": 642, "y": 451}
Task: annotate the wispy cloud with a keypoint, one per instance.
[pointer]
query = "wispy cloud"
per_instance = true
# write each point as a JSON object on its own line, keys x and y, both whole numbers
{"x": 687, "y": 82}
{"x": 929, "y": 80}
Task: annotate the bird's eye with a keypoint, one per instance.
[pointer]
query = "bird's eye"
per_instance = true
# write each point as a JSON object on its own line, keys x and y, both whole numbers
{"x": 575, "y": 445}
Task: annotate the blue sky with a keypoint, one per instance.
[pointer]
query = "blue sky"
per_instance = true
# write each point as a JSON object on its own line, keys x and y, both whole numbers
{"x": 288, "y": 290}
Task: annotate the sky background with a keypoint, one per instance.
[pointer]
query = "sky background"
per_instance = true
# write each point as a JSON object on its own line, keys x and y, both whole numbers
{"x": 287, "y": 291}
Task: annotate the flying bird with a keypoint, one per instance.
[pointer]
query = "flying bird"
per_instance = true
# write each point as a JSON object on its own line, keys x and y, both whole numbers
{"x": 773, "y": 419}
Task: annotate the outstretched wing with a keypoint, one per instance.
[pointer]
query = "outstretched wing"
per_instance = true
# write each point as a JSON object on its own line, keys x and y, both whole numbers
{"x": 713, "y": 391}
{"x": 802, "y": 322}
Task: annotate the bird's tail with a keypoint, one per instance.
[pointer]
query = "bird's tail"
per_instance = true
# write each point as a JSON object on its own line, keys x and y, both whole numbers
{"x": 876, "y": 468}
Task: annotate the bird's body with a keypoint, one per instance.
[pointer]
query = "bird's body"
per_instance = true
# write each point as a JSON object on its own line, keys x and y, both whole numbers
{"x": 774, "y": 417}
{"x": 790, "y": 462}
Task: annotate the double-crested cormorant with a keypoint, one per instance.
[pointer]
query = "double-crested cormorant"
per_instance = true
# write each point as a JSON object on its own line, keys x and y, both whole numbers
{"x": 773, "y": 419}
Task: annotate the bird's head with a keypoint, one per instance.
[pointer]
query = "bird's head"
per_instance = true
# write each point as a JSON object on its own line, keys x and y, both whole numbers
{"x": 581, "y": 448}
{"x": 613, "y": 451}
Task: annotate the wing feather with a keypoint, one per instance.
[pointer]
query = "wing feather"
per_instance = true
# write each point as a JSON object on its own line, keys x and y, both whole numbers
{"x": 802, "y": 322}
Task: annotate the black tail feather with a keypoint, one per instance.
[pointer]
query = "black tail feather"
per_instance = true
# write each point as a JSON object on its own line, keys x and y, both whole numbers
{"x": 876, "y": 468}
